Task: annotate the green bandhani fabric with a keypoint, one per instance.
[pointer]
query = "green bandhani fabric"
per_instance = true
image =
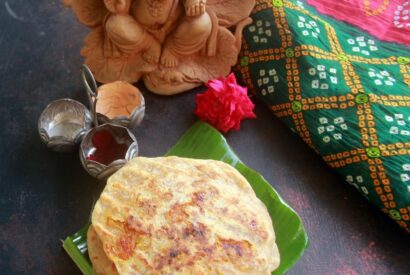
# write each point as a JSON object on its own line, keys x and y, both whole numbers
{"x": 343, "y": 91}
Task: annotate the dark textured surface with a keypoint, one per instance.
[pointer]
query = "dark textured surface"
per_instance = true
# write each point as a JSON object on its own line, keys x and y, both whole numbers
{"x": 46, "y": 196}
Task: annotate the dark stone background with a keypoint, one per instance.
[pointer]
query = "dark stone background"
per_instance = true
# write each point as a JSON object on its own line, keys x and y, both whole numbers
{"x": 45, "y": 196}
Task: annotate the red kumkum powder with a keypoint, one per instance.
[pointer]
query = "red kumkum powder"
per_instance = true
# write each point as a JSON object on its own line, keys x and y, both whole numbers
{"x": 107, "y": 149}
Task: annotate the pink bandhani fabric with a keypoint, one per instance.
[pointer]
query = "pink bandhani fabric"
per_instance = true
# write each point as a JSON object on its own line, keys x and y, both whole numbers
{"x": 388, "y": 20}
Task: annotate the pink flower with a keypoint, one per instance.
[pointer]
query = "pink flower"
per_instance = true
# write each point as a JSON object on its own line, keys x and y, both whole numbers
{"x": 225, "y": 104}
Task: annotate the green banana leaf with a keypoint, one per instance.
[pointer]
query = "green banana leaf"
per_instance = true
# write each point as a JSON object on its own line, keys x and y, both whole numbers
{"x": 202, "y": 141}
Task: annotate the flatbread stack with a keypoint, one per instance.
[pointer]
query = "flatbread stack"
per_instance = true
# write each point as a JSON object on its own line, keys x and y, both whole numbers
{"x": 175, "y": 215}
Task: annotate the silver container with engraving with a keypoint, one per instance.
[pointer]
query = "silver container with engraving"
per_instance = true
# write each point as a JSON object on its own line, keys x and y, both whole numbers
{"x": 131, "y": 121}
{"x": 63, "y": 124}
{"x": 122, "y": 136}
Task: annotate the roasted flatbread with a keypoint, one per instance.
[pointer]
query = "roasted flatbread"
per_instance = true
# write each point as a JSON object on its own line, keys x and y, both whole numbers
{"x": 174, "y": 215}
{"x": 101, "y": 264}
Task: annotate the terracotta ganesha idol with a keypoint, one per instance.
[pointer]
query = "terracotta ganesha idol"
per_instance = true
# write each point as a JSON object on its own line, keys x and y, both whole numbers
{"x": 172, "y": 45}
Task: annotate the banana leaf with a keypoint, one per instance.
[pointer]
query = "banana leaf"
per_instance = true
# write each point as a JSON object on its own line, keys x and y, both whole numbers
{"x": 202, "y": 141}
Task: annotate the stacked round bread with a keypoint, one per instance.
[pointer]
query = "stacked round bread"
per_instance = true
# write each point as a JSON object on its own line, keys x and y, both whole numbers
{"x": 175, "y": 215}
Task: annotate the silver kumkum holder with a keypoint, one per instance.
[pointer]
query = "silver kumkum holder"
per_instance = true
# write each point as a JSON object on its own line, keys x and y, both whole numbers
{"x": 121, "y": 135}
{"x": 131, "y": 121}
{"x": 65, "y": 123}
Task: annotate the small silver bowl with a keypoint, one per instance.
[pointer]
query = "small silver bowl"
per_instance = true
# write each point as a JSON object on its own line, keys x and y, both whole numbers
{"x": 118, "y": 102}
{"x": 99, "y": 156}
{"x": 131, "y": 121}
{"x": 63, "y": 123}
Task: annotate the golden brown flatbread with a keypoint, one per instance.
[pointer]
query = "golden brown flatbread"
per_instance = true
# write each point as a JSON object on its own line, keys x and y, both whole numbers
{"x": 182, "y": 216}
{"x": 101, "y": 264}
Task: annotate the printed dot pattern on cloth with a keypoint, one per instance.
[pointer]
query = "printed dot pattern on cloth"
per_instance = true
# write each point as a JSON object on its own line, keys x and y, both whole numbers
{"x": 343, "y": 91}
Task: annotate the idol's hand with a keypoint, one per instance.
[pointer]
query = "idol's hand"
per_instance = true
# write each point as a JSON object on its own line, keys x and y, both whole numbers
{"x": 195, "y": 7}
